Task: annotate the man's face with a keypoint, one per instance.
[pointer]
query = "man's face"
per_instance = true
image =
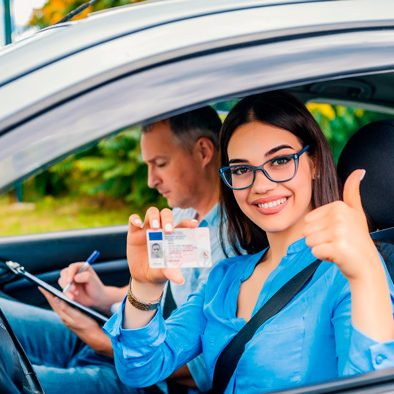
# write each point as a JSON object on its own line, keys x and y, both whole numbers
{"x": 172, "y": 170}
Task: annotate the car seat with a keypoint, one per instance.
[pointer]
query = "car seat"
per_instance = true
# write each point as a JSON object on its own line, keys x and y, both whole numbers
{"x": 372, "y": 148}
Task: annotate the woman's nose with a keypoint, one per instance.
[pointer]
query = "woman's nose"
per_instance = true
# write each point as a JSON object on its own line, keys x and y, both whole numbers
{"x": 261, "y": 183}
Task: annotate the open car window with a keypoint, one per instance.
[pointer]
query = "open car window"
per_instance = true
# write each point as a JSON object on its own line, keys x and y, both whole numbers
{"x": 101, "y": 184}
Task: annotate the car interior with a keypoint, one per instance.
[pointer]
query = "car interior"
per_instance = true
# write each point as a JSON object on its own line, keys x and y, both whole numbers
{"x": 371, "y": 148}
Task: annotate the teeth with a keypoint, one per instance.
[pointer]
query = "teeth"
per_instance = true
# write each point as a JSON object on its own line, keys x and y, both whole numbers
{"x": 272, "y": 204}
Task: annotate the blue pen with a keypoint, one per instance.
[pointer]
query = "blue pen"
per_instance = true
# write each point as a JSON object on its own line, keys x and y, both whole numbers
{"x": 91, "y": 259}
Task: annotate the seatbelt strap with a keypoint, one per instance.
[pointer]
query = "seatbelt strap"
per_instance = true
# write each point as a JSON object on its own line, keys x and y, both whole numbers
{"x": 169, "y": 304}
{"x": 385, "y": 235}
{"x": 229, "y": 357}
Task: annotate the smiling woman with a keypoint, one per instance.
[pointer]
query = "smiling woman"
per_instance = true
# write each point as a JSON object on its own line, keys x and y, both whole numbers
{"x": 306, "y": 137}
{"x": 295, "y": 220}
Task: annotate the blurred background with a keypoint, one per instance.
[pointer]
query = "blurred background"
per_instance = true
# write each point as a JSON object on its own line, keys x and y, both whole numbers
{"x": 102, "y": 185}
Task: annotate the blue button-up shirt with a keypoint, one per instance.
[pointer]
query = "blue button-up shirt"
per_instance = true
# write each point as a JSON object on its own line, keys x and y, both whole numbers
{"x": 196, "y": 277}
{"x": 312, "y": 339}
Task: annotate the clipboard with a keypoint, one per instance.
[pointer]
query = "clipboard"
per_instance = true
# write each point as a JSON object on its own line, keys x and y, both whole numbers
{"x": 19, "y": 270}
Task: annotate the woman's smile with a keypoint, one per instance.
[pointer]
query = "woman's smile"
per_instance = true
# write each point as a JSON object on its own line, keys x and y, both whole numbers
{"x": 271, "y": 205}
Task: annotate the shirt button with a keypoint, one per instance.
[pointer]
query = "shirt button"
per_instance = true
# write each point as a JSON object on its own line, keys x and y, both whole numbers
{"x": 379, "y": 359}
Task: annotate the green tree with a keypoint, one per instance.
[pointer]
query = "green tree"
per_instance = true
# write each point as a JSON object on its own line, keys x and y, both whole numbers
{"x": 54, "y": 10}
{"x": 113, "y": 168}
{"x": 339, "y": 122}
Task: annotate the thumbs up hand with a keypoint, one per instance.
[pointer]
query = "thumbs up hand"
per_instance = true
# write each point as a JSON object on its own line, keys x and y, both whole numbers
{"x": 338, "y": 232}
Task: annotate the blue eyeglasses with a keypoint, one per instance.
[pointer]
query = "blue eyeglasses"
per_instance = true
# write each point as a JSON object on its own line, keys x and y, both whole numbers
{"x": 279, "y": 169}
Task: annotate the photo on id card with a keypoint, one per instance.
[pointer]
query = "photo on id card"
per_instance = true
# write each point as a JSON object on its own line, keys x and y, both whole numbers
{"x": 183, "y": 248}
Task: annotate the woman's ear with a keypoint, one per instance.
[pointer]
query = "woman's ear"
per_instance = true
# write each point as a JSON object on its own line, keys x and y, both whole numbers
{"x": 205, "y": 150}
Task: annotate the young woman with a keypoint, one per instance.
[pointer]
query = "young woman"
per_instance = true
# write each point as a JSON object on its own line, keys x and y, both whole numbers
{"x": 281, "y": 202}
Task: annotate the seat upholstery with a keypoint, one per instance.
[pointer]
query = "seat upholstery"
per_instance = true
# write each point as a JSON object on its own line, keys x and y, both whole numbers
{"x": 372, "y": 148}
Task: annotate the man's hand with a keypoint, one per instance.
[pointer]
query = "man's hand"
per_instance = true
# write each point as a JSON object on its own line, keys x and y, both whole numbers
{"x": 82, "y": 325}
{"x": 88, "y": 289}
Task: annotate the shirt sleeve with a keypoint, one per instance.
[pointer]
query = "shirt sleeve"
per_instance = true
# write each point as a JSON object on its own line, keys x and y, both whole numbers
{"x": 358, "y": 353}
{"x": 150, "y": 354}
{"x": 199, "y": 372}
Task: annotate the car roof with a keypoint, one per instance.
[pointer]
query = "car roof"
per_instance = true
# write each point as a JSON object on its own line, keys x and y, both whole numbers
{"x": 60, "y": 41}
{"x": 72, "y": 60}
{"x": 102, "y": 26}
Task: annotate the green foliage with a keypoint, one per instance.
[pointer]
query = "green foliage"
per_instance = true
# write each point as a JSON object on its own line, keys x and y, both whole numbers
{"x": 339, "y": 123}
{"x": 114, "y": 168}
{"x": 54, "y": 10}
{"x": 60, "y": 213}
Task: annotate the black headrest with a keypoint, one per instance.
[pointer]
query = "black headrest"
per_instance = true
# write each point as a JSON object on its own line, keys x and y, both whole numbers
{"x": 372, "y": 148}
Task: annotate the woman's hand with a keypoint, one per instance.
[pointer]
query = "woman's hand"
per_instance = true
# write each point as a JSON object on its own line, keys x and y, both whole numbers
{"x": 137, "y": 252}
{"x": 148, "y": 283}
{"x": 338, "y": 232}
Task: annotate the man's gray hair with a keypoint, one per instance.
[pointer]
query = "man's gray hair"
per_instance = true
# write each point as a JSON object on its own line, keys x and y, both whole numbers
{"x": 190, "y": 126}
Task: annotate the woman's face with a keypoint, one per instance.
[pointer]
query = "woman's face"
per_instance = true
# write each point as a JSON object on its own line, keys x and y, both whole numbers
{"x": 274, "y": 207}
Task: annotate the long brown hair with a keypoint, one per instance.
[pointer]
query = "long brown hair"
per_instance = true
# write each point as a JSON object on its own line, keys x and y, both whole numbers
{"x": 279, "y": 109}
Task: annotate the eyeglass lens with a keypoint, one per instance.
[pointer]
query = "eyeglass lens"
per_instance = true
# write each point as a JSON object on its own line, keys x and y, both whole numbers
{"x": 278, "y": 170}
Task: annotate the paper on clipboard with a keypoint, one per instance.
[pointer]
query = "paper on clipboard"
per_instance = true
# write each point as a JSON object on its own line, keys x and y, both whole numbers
{"x": 18, "y": 269}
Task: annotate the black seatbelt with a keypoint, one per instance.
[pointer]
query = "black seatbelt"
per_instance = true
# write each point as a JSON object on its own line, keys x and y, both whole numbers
{"x": 386, "y": 235}
{"x": 169, "y": 304}
{"x": 229, "y": 357}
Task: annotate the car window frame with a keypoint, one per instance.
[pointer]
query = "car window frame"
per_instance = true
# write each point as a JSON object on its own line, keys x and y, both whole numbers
{"x": 105, "y": 109}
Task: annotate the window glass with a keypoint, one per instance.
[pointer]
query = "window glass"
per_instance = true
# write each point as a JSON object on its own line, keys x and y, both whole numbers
{"x": 98, "y": 186}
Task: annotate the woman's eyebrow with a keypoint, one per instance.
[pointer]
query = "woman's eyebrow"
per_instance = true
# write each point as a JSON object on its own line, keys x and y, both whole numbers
{"x": 278, "y": 148}
{"x": 270, "y": 152}
{"x": 232, "y": 161}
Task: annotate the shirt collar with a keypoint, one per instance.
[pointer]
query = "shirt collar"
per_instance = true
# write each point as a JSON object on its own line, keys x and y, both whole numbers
{"x": 297, "y": 246}
{"x": 211, "y": 218}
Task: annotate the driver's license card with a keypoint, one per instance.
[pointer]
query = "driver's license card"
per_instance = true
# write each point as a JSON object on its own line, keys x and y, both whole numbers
{"x": 183, "y": 248}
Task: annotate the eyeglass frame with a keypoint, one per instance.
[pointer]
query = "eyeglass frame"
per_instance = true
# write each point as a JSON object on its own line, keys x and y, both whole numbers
{"x": 294, "y": 156}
